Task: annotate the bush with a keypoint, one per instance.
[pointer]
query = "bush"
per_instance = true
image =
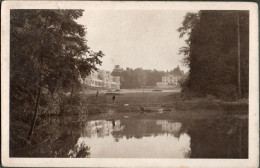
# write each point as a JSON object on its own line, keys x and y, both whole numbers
{"x": 184, "y": 83}
{"x": 69, "y": 103}
{"x": 225, "y": 92}
{"x": 211, "y": 97}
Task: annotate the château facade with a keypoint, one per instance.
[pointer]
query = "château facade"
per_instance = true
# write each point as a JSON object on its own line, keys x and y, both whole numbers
{"x": 169, "y": 80}
{"x": 101, "y": 79}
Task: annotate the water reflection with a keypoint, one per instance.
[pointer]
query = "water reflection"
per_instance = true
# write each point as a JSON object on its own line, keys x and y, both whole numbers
{"x": 219, "y": 138}
{"x": 101, "y": 128}
{"x": 223, "y": 137}
{"x": 135, "y": 138}
{"x": 79, "y": 151}
{"x": 170, "y": 127}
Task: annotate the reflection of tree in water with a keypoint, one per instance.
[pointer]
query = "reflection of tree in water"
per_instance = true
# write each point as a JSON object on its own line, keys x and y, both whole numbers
{"x": 219, "y": 138}
{"x": 80, "y": 151}
{"x": 54, "y": 137}
{"x": 130, "y": 128}
{"x": 136, "y": 128}
{"x": 68, "y": 134}
{"x": 144, "y": 128}
{"x": 64, "y": 136}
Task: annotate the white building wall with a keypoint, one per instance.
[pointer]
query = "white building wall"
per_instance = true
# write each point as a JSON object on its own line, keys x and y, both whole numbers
{"x": 168, "y": 80}
{"x": 102, "y": 79}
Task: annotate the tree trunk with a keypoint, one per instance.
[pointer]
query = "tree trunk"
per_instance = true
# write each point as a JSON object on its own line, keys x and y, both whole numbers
{"x": 35, "y": 110}
{"x": 38, "y": 95}
{"x": 238, "y": 58}
{"x": 39, "y": 87}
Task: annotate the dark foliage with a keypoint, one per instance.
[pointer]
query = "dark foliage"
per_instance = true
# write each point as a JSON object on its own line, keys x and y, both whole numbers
{"x": 211, "y": 52}
{"x": 48, "y": 53}
{"x": 137, "y": 78}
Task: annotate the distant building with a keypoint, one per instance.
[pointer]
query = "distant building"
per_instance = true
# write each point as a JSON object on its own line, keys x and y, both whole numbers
{"x": 169, "y": 80}
{"x": 101, "y": 79}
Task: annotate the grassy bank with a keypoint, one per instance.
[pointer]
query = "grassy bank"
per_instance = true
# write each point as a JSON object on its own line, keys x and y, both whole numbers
{"x": 142, "y": 102}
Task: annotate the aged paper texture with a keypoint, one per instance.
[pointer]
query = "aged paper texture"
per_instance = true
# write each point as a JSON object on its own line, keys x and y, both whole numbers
{"x": 129, "y": 84}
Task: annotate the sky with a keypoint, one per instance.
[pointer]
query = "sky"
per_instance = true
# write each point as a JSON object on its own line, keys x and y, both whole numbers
{"x": 145, "y": 39}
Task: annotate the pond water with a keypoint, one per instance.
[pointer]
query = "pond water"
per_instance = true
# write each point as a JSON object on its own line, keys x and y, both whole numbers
{"x": 225, "y": 137}
{"x": 135, "y": 138}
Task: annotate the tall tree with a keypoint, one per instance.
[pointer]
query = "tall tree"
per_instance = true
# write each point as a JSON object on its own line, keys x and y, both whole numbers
{"x": 48, "y": 51}
{"x": 117, "y": 70}
{"x": 177, "y": 71}
{"x": 215, "y": 39}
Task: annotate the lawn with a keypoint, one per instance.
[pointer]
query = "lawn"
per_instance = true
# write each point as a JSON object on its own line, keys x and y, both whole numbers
{"x": 153, "y": 101}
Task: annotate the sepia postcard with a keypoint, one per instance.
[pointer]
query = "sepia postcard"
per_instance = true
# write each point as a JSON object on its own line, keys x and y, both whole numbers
{"x": 129, "y": 84}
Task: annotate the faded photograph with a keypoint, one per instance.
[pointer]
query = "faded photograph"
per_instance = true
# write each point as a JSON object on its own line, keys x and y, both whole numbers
{"x": 129, "y": 83}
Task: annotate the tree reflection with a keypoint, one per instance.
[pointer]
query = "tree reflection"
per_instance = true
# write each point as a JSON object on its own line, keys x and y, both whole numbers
{"x": 131, "y": 128}
{"x": 219, "y": 138}
{"x": 80, "y": 151}
{"x": 145, "y": 128}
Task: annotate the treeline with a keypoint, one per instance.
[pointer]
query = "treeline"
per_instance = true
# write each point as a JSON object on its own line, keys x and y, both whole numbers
{"x": 217, "y": 53}
{"x": 137, "y": 78}
{"x": 48, "y": 52}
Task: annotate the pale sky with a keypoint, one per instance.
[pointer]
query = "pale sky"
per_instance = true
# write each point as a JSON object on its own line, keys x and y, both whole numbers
{"x": 135, "y": 38}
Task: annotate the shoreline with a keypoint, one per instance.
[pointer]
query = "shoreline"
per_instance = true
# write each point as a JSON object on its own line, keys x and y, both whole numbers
{"x": 150, "y": 102}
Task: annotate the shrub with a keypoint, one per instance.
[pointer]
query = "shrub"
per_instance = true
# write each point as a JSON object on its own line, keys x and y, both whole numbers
{"x": 225, "y": 92}
{"x": 184, "y": 83}
{"x": 211, "y": 97}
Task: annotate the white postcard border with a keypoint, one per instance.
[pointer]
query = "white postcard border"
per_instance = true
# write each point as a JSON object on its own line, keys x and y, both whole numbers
{"x": 130, "y": 5}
